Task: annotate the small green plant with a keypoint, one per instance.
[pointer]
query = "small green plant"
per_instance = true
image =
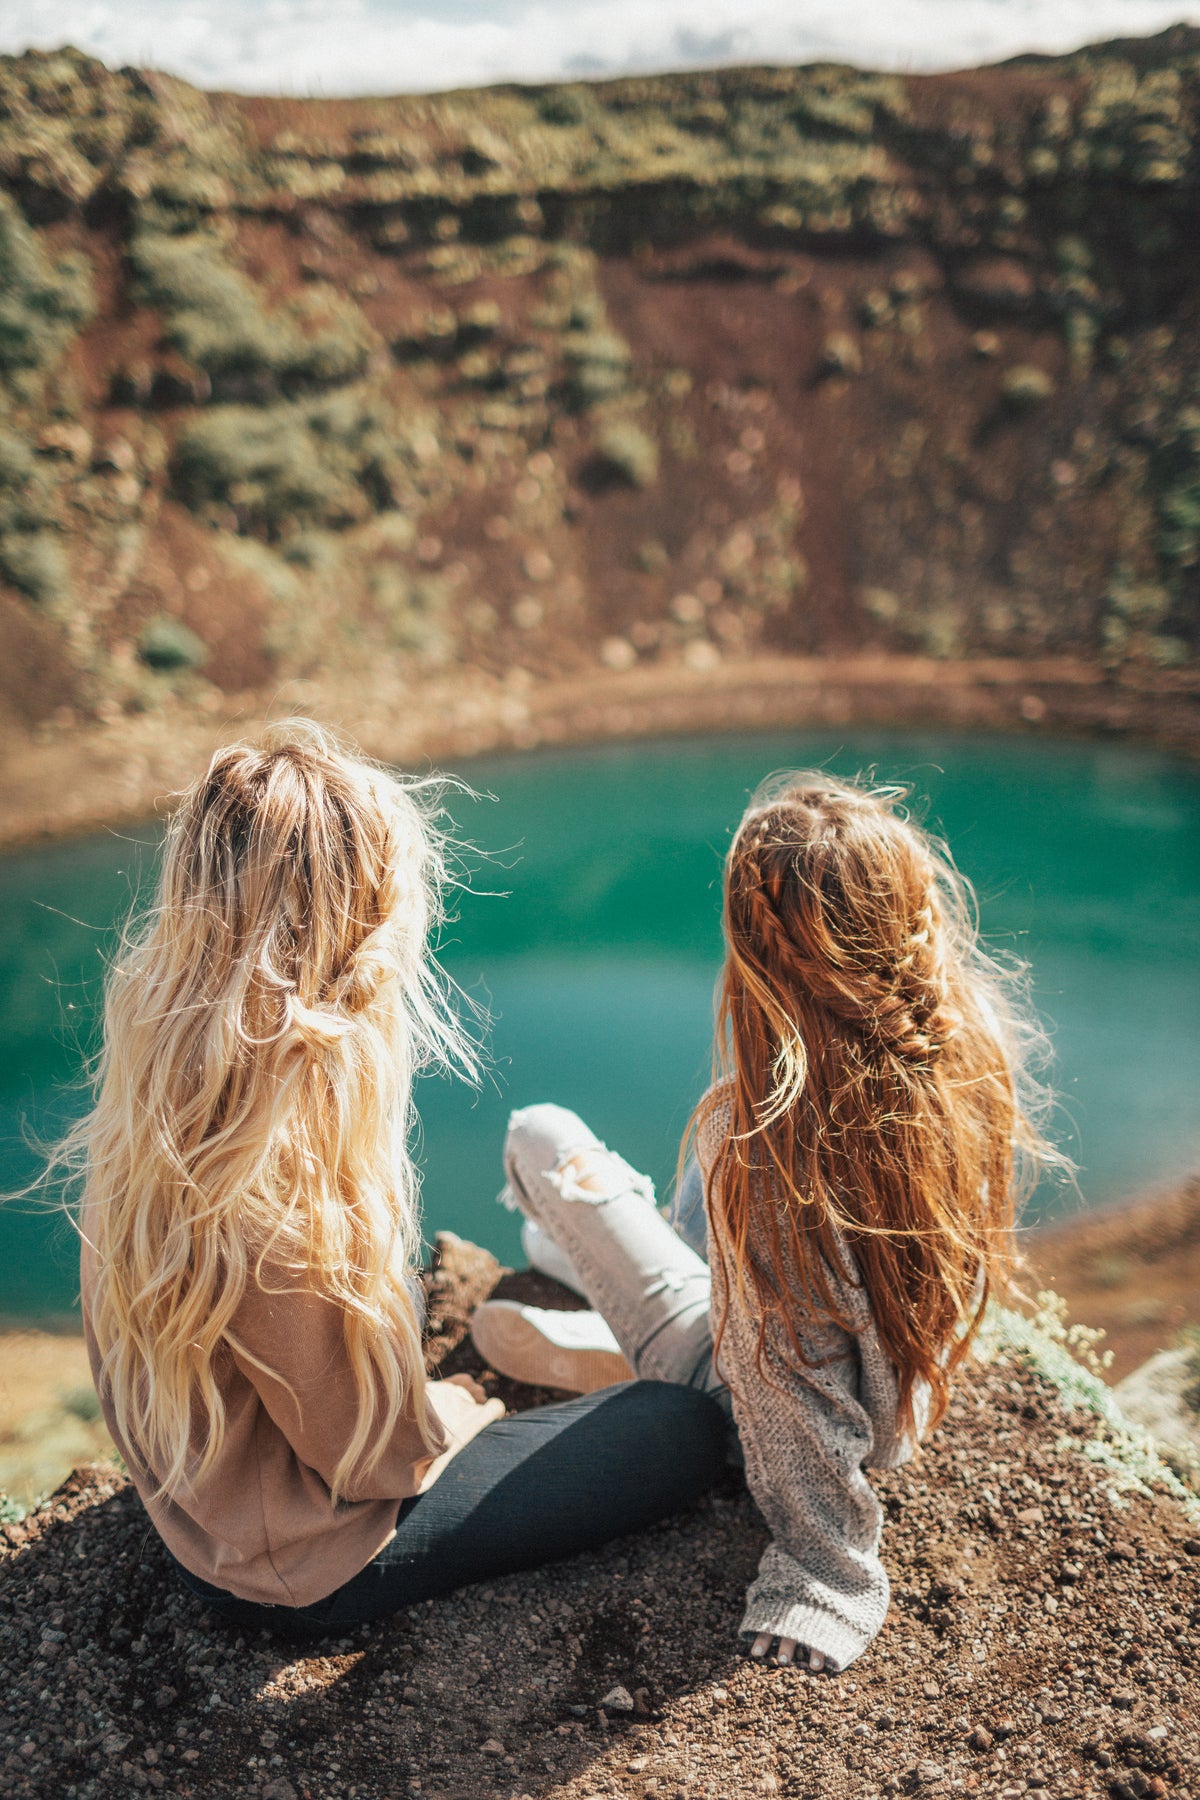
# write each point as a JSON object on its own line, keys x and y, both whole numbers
{"x": 652, "y": 556}
{"x": 33, "y": 561}
{"x": 288, "y": 467}
{"x": 82, "y": 1403}
{"x": 312, "y": 550}
{"x": 628, "y": 453}
{"x": 31, "y": 557}
{"x": 875, "y": 309}
{"x": 480, "y": 320}
{"x": 11, "y": 1511}
{"x": 414, "y": 612}
{"x": 331, "y": 342}
{"x": 436, "y": 336}
{"x": 1024, "y": 387}
{"x": 840, "y": 355}
{"x": 261, "y": 463}
{"x": 597, "y": 365}
{"x": 567, "y": 105}
{"x": 167, "y": 644}
{"x": 1044, "y": 1343}
{"x": 1082, "y": 1342}
{"x": 834, "y": 115}
{"x": 213, "y": 313}
{"x": 1136, "y": 608}
{"x": 216, "y": 319}
{"x": 42, "y": 304}
{"x": 1177, "y": 469}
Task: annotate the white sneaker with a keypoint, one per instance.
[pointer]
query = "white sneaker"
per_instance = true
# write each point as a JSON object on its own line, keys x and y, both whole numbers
{"x": 575, "y": 1351}
{"x": 544, "y": 1255}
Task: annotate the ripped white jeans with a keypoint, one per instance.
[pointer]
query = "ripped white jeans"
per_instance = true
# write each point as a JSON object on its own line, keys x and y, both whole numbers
{"x": 638, "y": 1273}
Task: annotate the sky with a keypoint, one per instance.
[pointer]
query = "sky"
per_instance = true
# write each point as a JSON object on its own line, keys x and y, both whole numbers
{"x": 397, "y": 46}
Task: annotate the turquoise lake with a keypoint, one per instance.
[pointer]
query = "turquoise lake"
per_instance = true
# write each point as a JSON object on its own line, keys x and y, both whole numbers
{"x": 592, "y": 937}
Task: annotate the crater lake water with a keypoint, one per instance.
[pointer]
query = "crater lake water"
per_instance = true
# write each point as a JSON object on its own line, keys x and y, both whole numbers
{"x": 592, "y": 937}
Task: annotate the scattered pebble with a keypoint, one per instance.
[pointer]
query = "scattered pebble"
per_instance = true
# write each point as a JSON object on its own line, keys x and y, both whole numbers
{"x": 617, "y": 654}
{"x": 528, "y": 613}
{"x": 538, "y": 566}
{"x": 701, "y": 655}
{"x": 687, "y": 608}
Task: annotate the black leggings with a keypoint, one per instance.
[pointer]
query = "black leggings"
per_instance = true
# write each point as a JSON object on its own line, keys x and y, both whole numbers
{"x": 530, "y": 1488}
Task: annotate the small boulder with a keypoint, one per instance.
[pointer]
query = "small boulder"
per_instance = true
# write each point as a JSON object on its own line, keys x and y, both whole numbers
{"x": 167, "y": 643}
{"x": 1161, "y": 1397}
{"x": 1024, "y": 387}
{"x": 840, "y": 355}
{"x": 72, "y": 441}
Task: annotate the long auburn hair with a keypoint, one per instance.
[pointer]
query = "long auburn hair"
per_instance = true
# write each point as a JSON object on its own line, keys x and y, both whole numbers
{"x": 871, "y": 1083}
{"x": 253, "y": 1101}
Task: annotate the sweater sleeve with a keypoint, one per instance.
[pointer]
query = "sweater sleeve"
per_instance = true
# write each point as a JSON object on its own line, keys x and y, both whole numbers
{"x": 288, "y": 1340}
{"x": 806, "y": 1438}
{"x": 808, "y": 1428}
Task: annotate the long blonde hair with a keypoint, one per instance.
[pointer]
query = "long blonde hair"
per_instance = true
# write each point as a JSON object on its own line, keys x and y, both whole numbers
{"x": 262, "y": 1029}
{"x": 875, "y": 1069}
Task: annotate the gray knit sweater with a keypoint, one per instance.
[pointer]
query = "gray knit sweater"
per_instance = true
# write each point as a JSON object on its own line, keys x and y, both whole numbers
{"x": 808, "y": 1433}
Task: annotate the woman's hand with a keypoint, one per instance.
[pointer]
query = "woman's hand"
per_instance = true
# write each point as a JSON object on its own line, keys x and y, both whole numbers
{"x": 789, "y": 1651}
{"x": 474, "y": 1410}
{"x": 464, "y": 1410}
{"x": 472, "y": 1386}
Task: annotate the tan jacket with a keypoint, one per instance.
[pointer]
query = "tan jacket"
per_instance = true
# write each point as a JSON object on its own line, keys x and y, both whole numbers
{"x": 260, "y": 1522}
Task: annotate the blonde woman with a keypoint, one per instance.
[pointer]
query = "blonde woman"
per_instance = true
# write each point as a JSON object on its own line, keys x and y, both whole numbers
{"x": 859, "y": 1158}
{"x": 249, "y": 1226}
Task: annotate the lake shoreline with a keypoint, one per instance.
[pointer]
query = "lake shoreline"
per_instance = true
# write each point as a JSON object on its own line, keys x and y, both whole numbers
{"x": 70, "y": 780}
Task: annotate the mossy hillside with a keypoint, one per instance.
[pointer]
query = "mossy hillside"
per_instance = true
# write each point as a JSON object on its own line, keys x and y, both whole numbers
{"x": 43, "y": 302}
{"x": 906, "y": 362}
{"x": 215, "y": 317}
{"x": 30, "y": 555}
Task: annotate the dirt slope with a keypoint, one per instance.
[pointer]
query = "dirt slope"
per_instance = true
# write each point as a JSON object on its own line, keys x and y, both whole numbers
{"x": 1042, "y": 1640}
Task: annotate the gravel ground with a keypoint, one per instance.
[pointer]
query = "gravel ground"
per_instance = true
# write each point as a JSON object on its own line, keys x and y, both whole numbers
{"x": 1042, "y": 1640}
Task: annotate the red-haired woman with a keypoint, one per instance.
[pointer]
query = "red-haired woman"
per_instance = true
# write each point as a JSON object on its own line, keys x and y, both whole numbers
{"x": 859, "y": 1158}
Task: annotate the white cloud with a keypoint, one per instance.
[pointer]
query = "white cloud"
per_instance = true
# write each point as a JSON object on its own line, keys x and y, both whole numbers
{"x": 392, "y": 46}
